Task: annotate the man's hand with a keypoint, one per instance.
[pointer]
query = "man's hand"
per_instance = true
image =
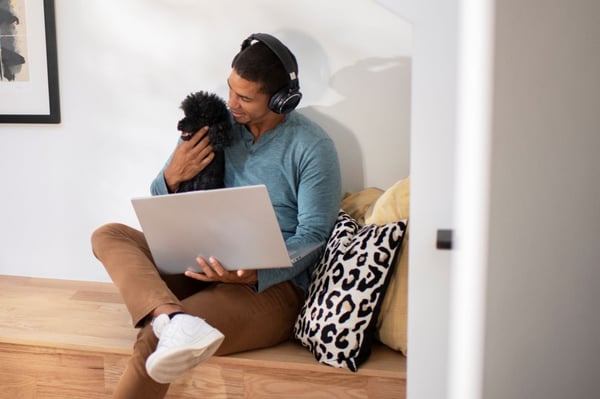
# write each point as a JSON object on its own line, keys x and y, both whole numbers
{"x": 213, "y": 271}
{"x": 189, "y": 159}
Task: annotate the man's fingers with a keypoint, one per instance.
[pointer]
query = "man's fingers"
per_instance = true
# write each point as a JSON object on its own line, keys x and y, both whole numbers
{"x": 196, "y": 276}
{"x": 206, "y": 160}
{"x": 202, "y": 149}
{"x": 206, "y": 269}
{"x": 199, "y": 135}
{"x": 216, "y": 266}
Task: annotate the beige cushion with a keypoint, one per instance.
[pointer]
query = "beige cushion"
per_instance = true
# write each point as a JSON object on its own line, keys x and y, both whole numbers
{"x": 356, "y": 204}
{"x": 392, "y": 206}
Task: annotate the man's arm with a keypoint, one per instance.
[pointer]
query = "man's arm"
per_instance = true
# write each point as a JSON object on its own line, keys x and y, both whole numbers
{"x": 319, "y": 196}
{"x": 188, "y": 159}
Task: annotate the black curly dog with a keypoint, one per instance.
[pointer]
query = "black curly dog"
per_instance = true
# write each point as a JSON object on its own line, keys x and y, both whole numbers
{"x": 206, "y": 109}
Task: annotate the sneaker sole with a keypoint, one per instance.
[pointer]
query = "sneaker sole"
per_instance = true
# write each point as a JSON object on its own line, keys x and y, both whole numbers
{"x": 168, "y": 365}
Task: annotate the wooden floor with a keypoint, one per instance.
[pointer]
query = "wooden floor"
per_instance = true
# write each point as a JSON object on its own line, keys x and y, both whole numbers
{"x": 71, "y": 339}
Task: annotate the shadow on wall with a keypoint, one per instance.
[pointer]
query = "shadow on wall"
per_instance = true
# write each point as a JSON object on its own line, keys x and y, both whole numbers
{"x": 371, "y": 125}
{"x": 348, "y": 147}
{"x": 369, "y": 113}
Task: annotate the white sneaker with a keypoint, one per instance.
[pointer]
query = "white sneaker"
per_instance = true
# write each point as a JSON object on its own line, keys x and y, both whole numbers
{"x": 184, "y": 342}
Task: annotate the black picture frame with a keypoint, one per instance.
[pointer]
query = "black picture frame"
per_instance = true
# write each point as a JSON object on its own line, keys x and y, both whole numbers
{"x": 51, "y": 73}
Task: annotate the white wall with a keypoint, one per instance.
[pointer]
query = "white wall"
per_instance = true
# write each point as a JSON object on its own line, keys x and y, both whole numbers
{"x": 123, "y": 72}
{"x": 538, "y": 264}
{"x": 542, "y": 318}
{"x": 538, "y": 206}
{"x": 433, "y": 135}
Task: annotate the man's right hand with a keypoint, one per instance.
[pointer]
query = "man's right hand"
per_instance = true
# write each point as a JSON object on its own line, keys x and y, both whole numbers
{"x": 189, "y": 159}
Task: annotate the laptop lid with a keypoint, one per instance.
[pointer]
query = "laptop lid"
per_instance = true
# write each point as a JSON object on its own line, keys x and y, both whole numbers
{"x": 237, "y": 226}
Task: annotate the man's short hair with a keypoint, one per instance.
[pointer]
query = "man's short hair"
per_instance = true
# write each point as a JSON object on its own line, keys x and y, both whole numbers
{"x": 257, "y": 63}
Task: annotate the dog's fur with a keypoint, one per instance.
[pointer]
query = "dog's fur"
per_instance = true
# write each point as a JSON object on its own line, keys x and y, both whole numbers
{"x": 206, "y": 109}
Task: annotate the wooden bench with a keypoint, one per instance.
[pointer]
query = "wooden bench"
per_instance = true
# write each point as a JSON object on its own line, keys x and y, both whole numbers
{"x": 71, "y": 339}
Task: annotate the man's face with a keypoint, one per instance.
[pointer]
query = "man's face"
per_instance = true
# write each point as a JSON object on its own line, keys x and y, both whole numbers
{"x": 247, "y": 103}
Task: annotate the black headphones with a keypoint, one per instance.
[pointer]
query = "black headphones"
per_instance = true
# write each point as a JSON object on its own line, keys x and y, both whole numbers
{"x": 287, "y": 98}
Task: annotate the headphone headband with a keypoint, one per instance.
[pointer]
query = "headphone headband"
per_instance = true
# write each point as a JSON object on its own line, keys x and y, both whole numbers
{"x": 287, "y": 98}
{"x": 280, "y": 50}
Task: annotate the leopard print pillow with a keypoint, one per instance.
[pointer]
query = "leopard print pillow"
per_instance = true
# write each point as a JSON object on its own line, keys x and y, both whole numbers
{"x": 337, "y": 320}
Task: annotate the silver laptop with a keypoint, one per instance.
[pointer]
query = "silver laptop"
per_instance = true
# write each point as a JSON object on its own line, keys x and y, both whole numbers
{"x": 237, "y": 226}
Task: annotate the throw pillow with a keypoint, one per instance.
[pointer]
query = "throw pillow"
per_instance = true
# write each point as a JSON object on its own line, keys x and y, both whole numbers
{"x": 357, "y": 203}
{"x": 337, "y": 321}
{"x": 391, "y": 206}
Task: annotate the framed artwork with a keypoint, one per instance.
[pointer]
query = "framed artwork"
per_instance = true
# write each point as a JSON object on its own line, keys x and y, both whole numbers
{"x": 28, "y": 62}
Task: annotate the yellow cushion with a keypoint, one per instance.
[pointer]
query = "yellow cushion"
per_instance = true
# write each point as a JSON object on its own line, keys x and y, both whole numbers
{"x": 356, "y": 204}
{"x": 392, "y": 206}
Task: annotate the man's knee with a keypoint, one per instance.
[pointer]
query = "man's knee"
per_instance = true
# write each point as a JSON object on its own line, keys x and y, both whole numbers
{"x": 105, "y": 234}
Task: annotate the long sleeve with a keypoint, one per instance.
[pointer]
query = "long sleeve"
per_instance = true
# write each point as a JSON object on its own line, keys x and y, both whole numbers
{"x": 318, "y": 201}
{"x": 159, "y": 185}
{"x": 299, "y": 165}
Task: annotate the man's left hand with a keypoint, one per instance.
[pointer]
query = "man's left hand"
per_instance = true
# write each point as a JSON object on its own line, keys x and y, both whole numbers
{"x": 213, "y": 271}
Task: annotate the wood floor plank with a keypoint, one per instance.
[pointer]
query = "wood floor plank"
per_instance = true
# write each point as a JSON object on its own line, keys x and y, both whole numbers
{"x": 60, "y": 313}
{"x": 72, "y": 339}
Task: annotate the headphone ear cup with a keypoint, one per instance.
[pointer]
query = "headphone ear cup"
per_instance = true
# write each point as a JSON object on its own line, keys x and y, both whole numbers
{"x": 285, "y": 101}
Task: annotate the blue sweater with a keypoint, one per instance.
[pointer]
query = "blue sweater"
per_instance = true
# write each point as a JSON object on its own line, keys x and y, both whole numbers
{"x": 298, "y": 163}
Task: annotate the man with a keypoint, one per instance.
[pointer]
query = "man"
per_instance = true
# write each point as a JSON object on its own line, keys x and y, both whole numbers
{"x": 196, "y": 315}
